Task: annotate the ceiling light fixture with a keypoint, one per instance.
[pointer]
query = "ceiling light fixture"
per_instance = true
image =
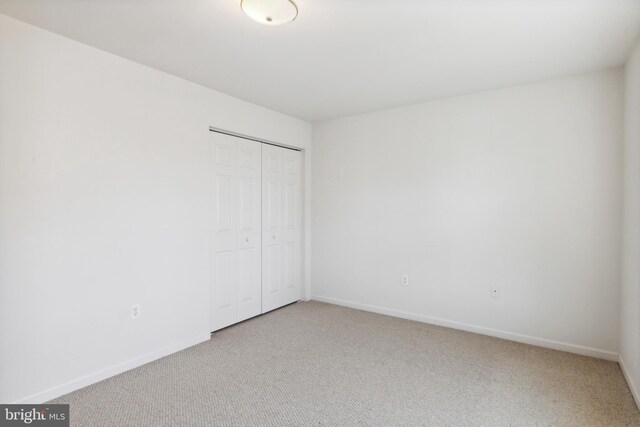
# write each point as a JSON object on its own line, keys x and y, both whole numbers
{"x": 270, "y": 12}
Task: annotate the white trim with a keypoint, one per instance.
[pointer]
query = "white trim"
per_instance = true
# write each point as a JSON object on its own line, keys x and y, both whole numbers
{"x": 630, "y": 383}
{"x": 78, "y": 383}
{"x": 512, "y": 336}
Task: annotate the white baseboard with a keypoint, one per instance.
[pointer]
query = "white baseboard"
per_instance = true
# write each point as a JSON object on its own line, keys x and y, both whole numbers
{"x": 630, "y": 383}
{"x": 512, "y": 336}
{"x": 78, "y": 383}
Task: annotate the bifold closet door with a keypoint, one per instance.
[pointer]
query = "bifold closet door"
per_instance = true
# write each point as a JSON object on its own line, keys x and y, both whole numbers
{"x": 281, "y": 226}
{"x": 236, "y": 291}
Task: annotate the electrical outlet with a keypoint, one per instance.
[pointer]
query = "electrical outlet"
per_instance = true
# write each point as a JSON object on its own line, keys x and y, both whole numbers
{"x": 135, "y": 311}
{"x": 405, "y": 280}
{"x": 495, "y": 292}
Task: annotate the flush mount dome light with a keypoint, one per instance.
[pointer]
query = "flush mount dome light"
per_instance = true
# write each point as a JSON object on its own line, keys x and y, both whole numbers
{"x": 270, "y": 12}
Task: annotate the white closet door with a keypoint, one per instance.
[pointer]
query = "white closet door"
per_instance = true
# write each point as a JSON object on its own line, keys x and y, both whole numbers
{"x": 223, "y": 301}
{"x": 281, "y": 233}
{"x": 235, "y": 264}
{"x": 249, "y": 229}
{"x": 292, "y": 221}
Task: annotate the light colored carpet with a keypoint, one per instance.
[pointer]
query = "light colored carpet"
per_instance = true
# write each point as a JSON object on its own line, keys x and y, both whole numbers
{"x": 319, "y": 364}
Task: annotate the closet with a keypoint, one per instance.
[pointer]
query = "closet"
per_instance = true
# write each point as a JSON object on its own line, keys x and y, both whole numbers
{"x": 256, "y": 228}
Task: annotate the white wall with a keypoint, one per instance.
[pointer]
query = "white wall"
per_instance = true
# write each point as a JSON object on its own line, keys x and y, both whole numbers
{"x": 104, "y": 202}
{"x": 630, "y": 314}
{"x": 518, "y": 188}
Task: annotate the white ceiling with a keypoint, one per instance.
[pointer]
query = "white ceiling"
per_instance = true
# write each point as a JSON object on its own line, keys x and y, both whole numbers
{"x": 341, "y": 57}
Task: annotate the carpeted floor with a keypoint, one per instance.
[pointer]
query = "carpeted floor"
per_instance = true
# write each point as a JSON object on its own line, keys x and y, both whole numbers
{"x": 319, "y": 364}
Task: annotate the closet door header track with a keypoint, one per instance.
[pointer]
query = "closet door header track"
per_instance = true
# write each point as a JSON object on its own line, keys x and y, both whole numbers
{"x": 251, "y": 138}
